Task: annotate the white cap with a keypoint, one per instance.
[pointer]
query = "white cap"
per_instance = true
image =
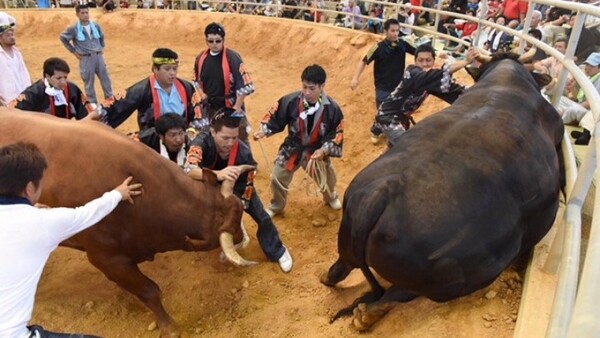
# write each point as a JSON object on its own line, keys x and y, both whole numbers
{"x": 6, "y": 22}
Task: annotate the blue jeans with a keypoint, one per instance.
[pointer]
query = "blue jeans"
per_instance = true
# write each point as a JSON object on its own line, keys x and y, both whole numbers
{"x": 380, "y": 96}
{"x": 267, "y": 234}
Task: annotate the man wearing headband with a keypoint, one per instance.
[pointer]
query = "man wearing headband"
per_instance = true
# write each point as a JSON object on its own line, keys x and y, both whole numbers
{"x": 85, "y": 40}
{"x": 160, "y": 93}
{"x": 221, "y": 151}
{"x": 315, "y": 125}
{"x": 55, "y": 95}
{"x": 221, "y": 76}
{"x": 15, "y": 77}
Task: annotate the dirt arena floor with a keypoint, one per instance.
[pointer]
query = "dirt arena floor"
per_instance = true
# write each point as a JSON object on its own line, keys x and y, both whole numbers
{"x": 211, "y": 299}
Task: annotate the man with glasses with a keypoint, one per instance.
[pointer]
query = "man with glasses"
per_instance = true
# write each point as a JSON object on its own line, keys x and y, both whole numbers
{"x": 160, "y": 93}
{"x": 15, "y": 77}
{"x": 221, "y": 77}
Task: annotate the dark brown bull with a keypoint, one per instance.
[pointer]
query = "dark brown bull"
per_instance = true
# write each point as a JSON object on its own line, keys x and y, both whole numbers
{"x": 174, "y": 213}
{"x": 460, "y": 197}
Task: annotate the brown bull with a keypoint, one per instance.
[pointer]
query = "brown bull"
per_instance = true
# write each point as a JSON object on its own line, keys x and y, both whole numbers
{"x": 174, "y": 213}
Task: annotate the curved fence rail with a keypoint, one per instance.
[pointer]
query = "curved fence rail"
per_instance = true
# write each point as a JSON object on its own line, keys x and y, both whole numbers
{"x": 575, "y": 311}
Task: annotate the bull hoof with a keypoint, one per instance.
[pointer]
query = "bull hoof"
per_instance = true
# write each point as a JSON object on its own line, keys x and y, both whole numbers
{"x": 362, "y": 320}
{"x": 171, "y": 331}
{"x": 324, "y": 278}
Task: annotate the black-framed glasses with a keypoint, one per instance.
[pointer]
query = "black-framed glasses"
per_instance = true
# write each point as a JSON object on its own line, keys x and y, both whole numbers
{"x": 214, "y": 41}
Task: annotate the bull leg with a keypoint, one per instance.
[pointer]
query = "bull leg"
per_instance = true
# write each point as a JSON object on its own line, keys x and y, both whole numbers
{"x": 337, "y": 273}
{"x": 123, "y": 271}
{"x": 365, "y": 315}
{"x": 377, "y": 291}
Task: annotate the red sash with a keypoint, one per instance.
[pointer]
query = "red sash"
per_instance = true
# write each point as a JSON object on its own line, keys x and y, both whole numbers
{"x": 226, "y": 73}
{"x": 232, "y": 155}
{"x": 156, "y": 98}
{"x": 314, "y": 136}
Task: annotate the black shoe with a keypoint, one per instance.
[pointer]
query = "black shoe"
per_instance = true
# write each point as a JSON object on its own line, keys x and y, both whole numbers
{"x": 584, "y": 139}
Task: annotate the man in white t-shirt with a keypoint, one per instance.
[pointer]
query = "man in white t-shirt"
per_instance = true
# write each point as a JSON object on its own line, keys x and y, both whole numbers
{"x": 15, "y": 77}
{"x": 28, "y": 234}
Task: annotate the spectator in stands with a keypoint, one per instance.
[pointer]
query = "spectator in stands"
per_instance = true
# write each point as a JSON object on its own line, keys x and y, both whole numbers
{"x": 458, "y": 6}
{"x": 373, "y": 25}
{"x": 499, "y": 40}
{"x": 552, "y": 66}
{"x": 415, "y": 11}
{"x": 309, "y": 15}
{"x": 493, "y": 9}
{"x": 290, "y": 13}
{"x": 514, "y": 10}
{"x": 464, "y": 30}
{"x": 589, "y": 40}
{"x": 536, "y": 20}
{"x": 532, "y": 54}
{"x": 353, "y": 20}
{"x": 473, "y": 5}
{"x": 407, "y": 17}
{"x": 553, "y": 28}
{"x": 427, "y": 17}
{"x": 108, "y": 6}
{"x": 485, "y": 34}
{"x": 272, "y": 8}
{"x": 578, "y": 109}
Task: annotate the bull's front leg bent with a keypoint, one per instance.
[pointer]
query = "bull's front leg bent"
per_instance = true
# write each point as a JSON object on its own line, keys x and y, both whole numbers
{"x": 123, "y": 271}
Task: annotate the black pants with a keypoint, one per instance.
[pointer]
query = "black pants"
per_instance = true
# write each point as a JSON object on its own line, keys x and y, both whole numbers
{"x": 38, "y": 331}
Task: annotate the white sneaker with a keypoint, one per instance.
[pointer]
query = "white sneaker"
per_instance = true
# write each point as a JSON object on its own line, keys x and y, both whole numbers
{"x": 335, "y": 204}
{"x": 270, "y": 212}
{"x": 285, "y": 261}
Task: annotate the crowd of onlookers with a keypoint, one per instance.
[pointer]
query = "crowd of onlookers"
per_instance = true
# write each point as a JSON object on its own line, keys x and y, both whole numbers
{"x": 548, "y": 24}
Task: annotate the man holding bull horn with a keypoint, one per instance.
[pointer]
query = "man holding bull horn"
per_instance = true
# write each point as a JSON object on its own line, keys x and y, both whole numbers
{"x": 221, "y": 151}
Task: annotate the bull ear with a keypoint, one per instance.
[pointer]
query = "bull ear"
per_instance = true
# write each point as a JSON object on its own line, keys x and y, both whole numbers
{"x": 541, "y": 79}
{"x": 475, "y": 72}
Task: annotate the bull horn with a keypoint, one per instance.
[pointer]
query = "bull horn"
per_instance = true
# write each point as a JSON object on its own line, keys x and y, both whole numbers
{"x": 227, "y": 188}
{"x": 226, "y": 241}
{"x": 227, "y": 185}
{"x": 245, "y": 167}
